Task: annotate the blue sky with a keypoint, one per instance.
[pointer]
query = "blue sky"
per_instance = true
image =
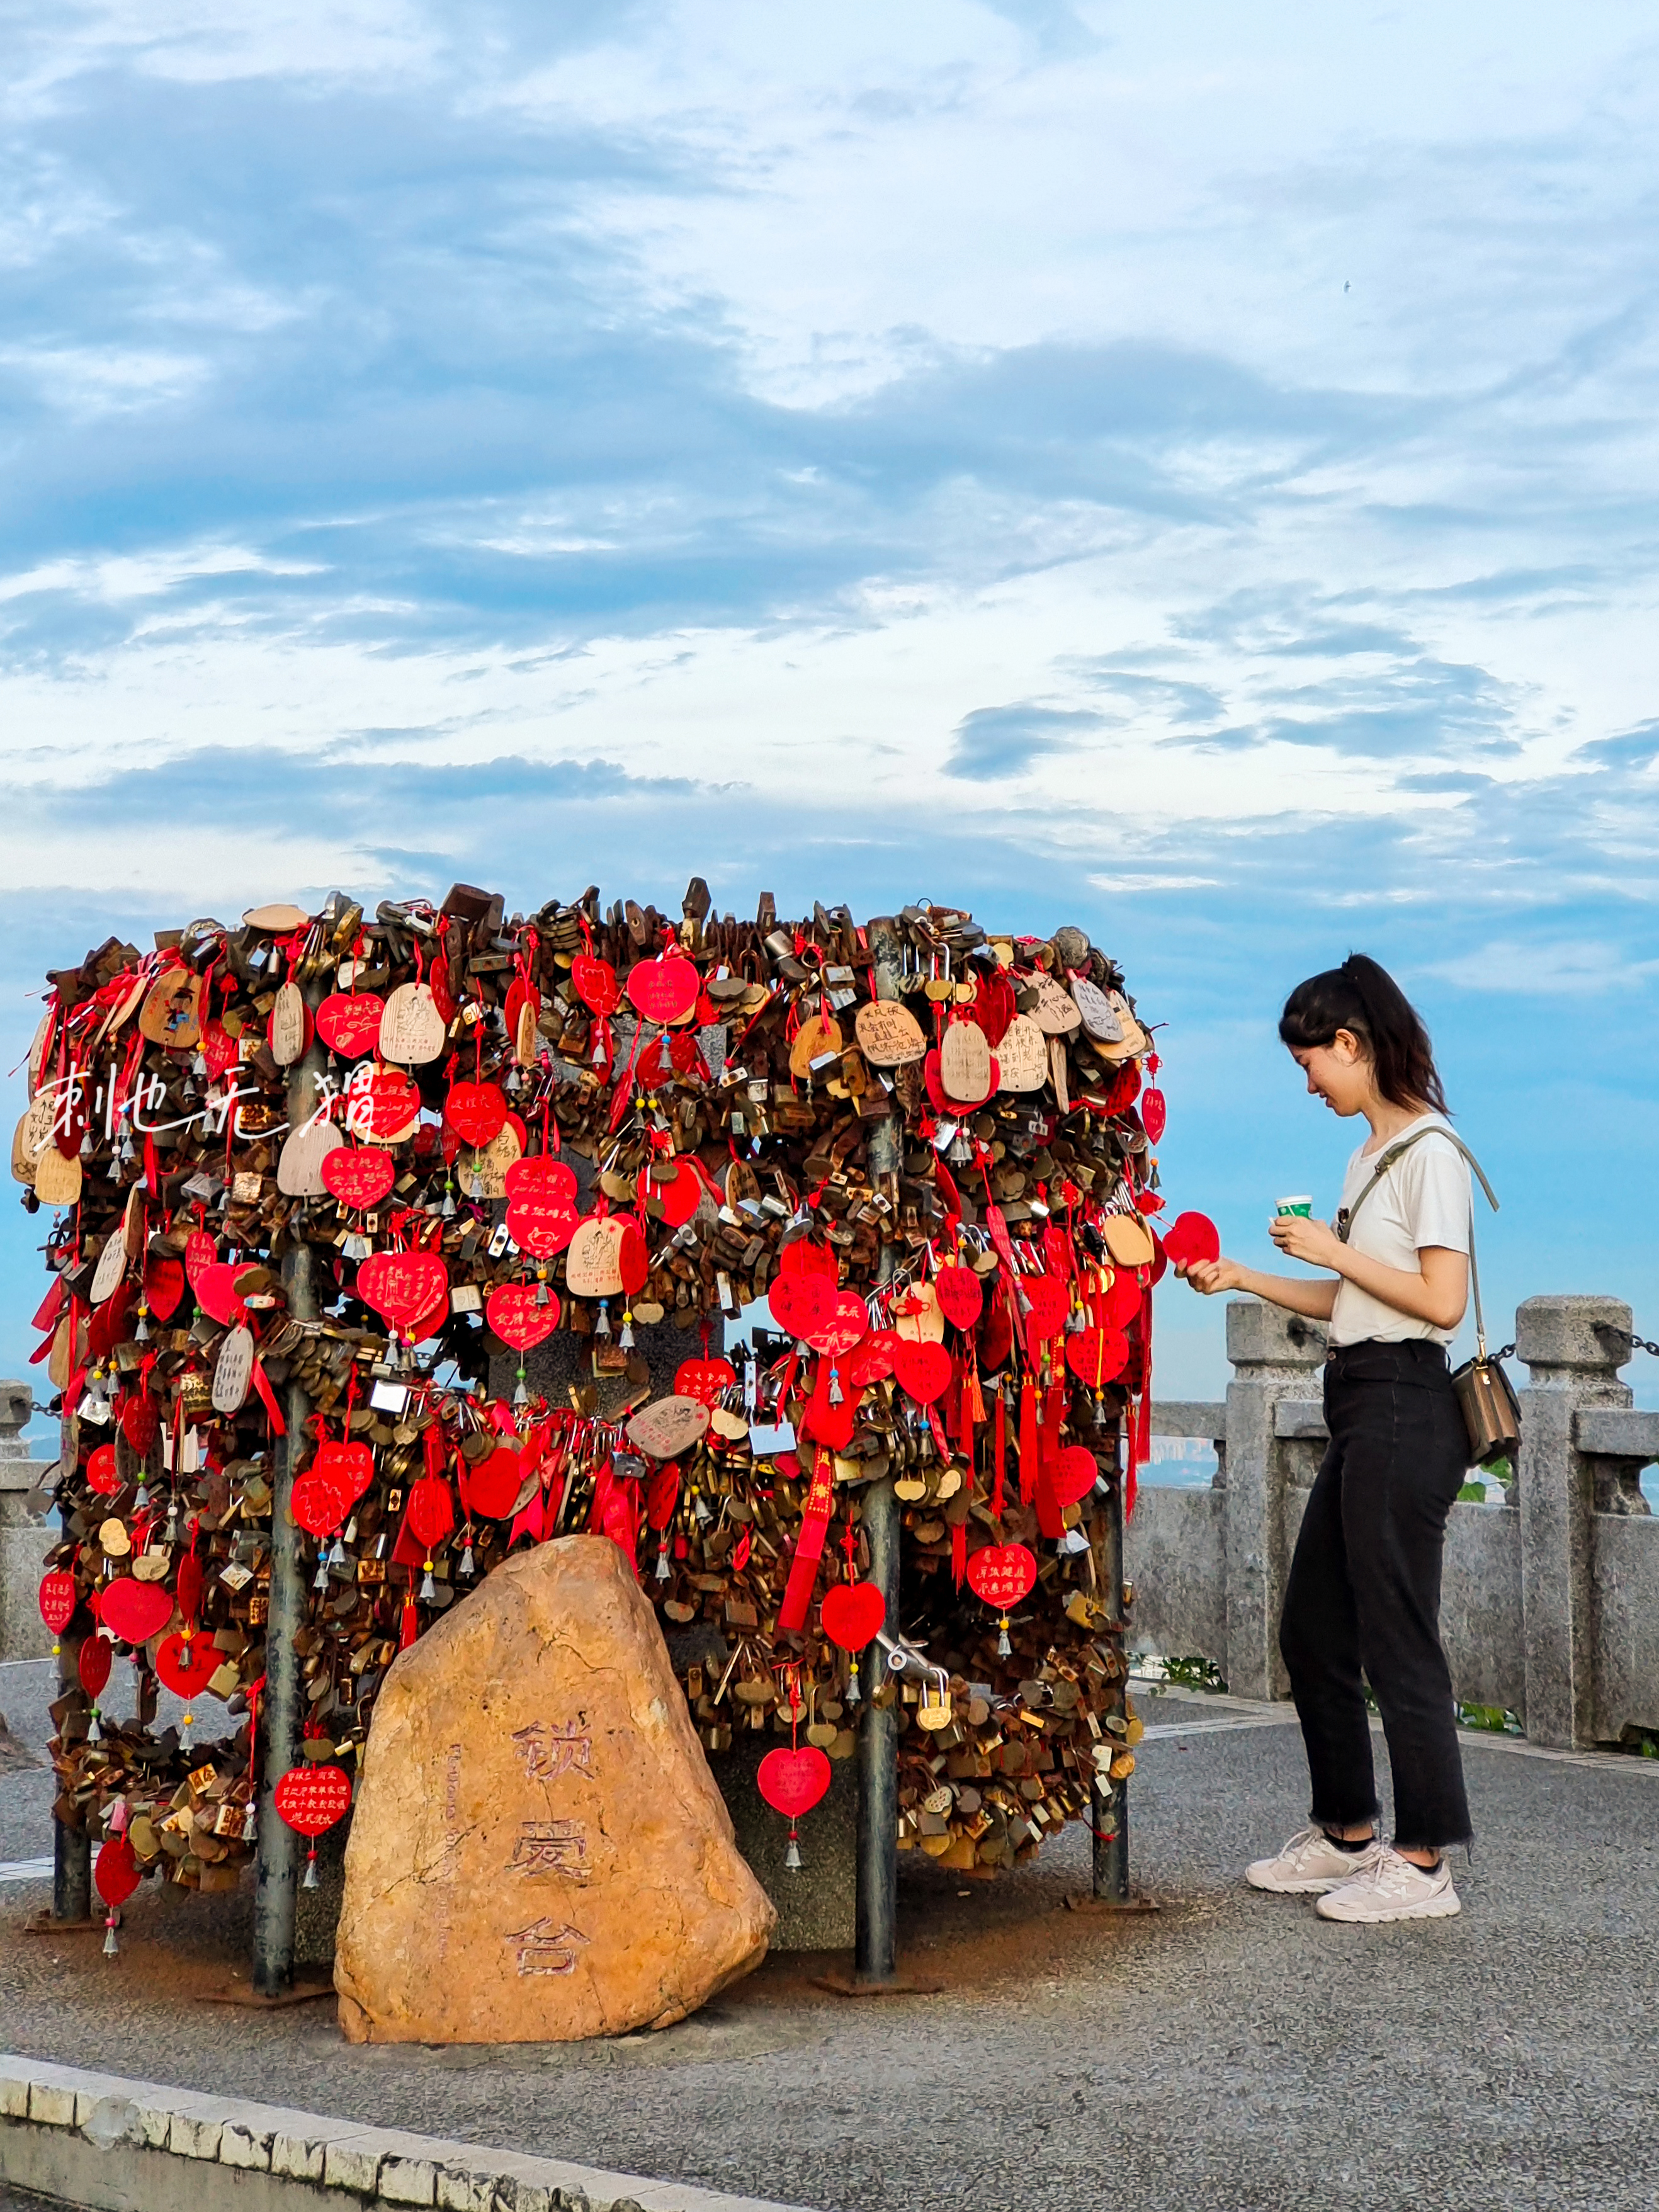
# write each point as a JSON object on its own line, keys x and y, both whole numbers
{"x": 1187, "y": 471}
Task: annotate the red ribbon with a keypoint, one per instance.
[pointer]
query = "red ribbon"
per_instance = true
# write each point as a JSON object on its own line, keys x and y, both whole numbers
{"x": 808, "y": 1545}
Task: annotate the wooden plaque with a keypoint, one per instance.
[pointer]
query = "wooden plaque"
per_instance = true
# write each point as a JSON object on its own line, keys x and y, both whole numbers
{"x": 1022, "y": 1056}
{"x": 965, "y": 1063}
{"x": 1055, "y": 1012}
{"x": 412, "y": 1030}
{"x": 889, "y": 1033}
{"x": 232, "y": 1371}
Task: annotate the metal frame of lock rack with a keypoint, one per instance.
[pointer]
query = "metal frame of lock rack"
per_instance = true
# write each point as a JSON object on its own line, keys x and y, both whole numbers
{"x": 875, "y": 1962}
{"x": 276, "y": 1852}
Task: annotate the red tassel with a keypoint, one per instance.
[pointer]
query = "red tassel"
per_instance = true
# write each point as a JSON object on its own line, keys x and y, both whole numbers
{"x": 999, "y": 1490}
{"x": 1028, "y": 1444}
{"x": 959, "y": 1552}
{"x": 409, "y": 1626}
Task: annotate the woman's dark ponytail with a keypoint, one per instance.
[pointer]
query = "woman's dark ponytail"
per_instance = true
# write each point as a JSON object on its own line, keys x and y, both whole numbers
{"x": 1364, "y": 997}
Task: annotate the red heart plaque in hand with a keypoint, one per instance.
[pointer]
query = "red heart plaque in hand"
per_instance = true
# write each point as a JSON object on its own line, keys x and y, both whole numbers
{"x": 358, "y": 1176}
{"x": 961, "y": 1299}
{"x": 1191, "y": 1236}
{"x": 403, "y": 1287}
{"x": 922, "y": 1370}
{"x": 349, "y": 1023}
{"x": 116, "y": 1871}
{"x": 477, "y": 1112}
{"x": 135, "y": 1611}
{"x": 313, "y": 1798}
{"x": 1002, "y": 1574}
{"x": 664, "y": 990}
{"x": 511, "y": 1311}
{"x": 792, "y": 1782}
{"x": 852, "y": 1612}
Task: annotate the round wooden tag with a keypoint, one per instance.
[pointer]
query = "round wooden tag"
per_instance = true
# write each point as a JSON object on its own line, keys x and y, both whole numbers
{"x": 111, "y": 1266}
{"x": 279, "y": 919}
{"x": 412, "y": 1030}
{"x": 232, "y": 1371}
{"x": 299, "y": 1162}
{"x": 815, "y": 1037}
{"x": 1127, "y": 1239}
{"x": 1055, "y": 1012}
{"x": 289, "y": 1020}
{"x": 483, "y": 1174}
{"x": 889, "y": 1033}
{"x": 592, "y": 1267}
{"x": 668, "y": 1426}
{"x": 965, "y": 1063}
{"x": 1022, "y": 1056}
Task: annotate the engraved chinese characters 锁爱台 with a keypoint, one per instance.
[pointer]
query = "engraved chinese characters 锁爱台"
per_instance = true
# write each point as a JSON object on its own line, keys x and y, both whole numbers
{"x": 551, "y": 1847}
{"x": 549, "y": 1751}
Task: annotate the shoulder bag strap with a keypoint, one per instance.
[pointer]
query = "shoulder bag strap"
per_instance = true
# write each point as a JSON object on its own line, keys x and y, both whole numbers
{"x": 1390, "y": 1154}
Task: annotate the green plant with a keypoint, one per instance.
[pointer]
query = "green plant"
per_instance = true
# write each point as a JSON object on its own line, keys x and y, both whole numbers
{"x": 1194, "y": 1674}
{"x": 1496, "y": 1720}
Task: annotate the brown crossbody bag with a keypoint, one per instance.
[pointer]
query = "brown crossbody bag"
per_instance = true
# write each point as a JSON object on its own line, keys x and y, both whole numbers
{"x": 1491, "y": 1410}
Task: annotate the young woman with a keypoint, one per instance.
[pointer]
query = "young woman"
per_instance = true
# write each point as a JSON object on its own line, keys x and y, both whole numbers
{"x": 1365, "y": 1584}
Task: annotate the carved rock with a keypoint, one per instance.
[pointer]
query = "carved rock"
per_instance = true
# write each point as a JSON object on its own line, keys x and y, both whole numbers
{"x": 540, "y": 1853}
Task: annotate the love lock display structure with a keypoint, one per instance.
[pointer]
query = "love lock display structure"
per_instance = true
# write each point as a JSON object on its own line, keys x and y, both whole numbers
{"x": 326, "y": 1188}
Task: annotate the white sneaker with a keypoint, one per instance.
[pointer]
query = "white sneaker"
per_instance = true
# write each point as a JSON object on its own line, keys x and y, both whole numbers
{"x": 1310, "y": 1863}
{"x": 1390, "y": 1888}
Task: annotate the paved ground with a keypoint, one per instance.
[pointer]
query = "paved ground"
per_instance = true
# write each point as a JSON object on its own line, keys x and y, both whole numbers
{"x": 1232, "y": 2053}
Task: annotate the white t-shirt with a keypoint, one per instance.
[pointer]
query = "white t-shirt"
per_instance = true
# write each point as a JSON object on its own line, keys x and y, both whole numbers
{"x": 1422, "y": 1200}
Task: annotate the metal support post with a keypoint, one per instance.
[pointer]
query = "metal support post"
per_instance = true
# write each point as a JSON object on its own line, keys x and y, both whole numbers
{"x": 71, "y": 1848}
{"x": 1110, "y": 1800}
{"x": 876, "y": 1951}
{"x": 277, "y": 1855}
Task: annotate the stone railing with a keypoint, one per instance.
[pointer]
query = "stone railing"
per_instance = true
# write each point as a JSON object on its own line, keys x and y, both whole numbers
{"x": 1550, "y": 1606}
{"x": 23, "y": 1542}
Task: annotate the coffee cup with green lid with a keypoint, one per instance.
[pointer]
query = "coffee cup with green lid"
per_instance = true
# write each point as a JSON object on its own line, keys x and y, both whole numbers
{"x": 1301, "y": 1206}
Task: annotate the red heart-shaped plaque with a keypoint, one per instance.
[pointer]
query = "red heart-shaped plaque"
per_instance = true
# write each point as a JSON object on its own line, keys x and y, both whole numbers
{"x": 804, "y": 1257}
{"x": 493, "y": 1486}
{"x": 164, "y": 1283}
{"x": 1120, "y": 1303}
{"x": 358, "y": 1174}
{"x": 93, "y": 1664}
{"x": 1050, "y": 1304}
{"x": 403, "y": 1287}
{"x": 116, "y": 1871}
{"x": 385, "y": 1106}
{"x": 477, "y": 1112}
{"x": 511, "y": 1311}
{"x": 852, "y": 1612}
{"x": 318, "y": 1503}
{"x": 200, "y": 1253}
{"x": 1002, "y": 1574}
{"x": 594, "y": 982}
{"x": 1154, "y": 1114}
{"x": 431, "y": 1511}
{"x": 1072, "y": 1473}
{"x": 800, "y": 1303}
{"x": 846, "y": 1321}
{"x": 140, "y": 1419}
{"x": 664, "y": 990}
{"x": 135, "y": 1611}
{"x": 187, "y": 1587}
{"x": 57, "y": 1601}
{"x": 541, "y": 1225}
{"x": 311, "y": 1799}
{"x": 961, "y": 1299}
{"x": 215, "y": 1292}
{"x": 183, "y": 1664}
{"x": 100, "y": 1471}
{"x": 349, "y": 1023}
{"x": 1192, "y": 1237}
{"x": 541, "y": 1177}
{"x": 108, "y": 1325}
{"x": 679, "y": 1199}
{"x": 704, "y": 1379}
{"x": 219, "y": 1049}
{"x": 349, "y": 1467}
{"x": 923, "y": 1370}
{"x": 1097, "y": 1356}
{"x": 871, "y": 1361}
{"x": 792, "y": 1782}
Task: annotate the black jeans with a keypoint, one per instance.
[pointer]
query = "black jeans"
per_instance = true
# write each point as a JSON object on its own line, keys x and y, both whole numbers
{"x": 1364, "y": 1592}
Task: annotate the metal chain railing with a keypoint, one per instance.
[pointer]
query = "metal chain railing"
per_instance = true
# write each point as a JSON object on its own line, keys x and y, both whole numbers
{"x": 1636, "y": 1343}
